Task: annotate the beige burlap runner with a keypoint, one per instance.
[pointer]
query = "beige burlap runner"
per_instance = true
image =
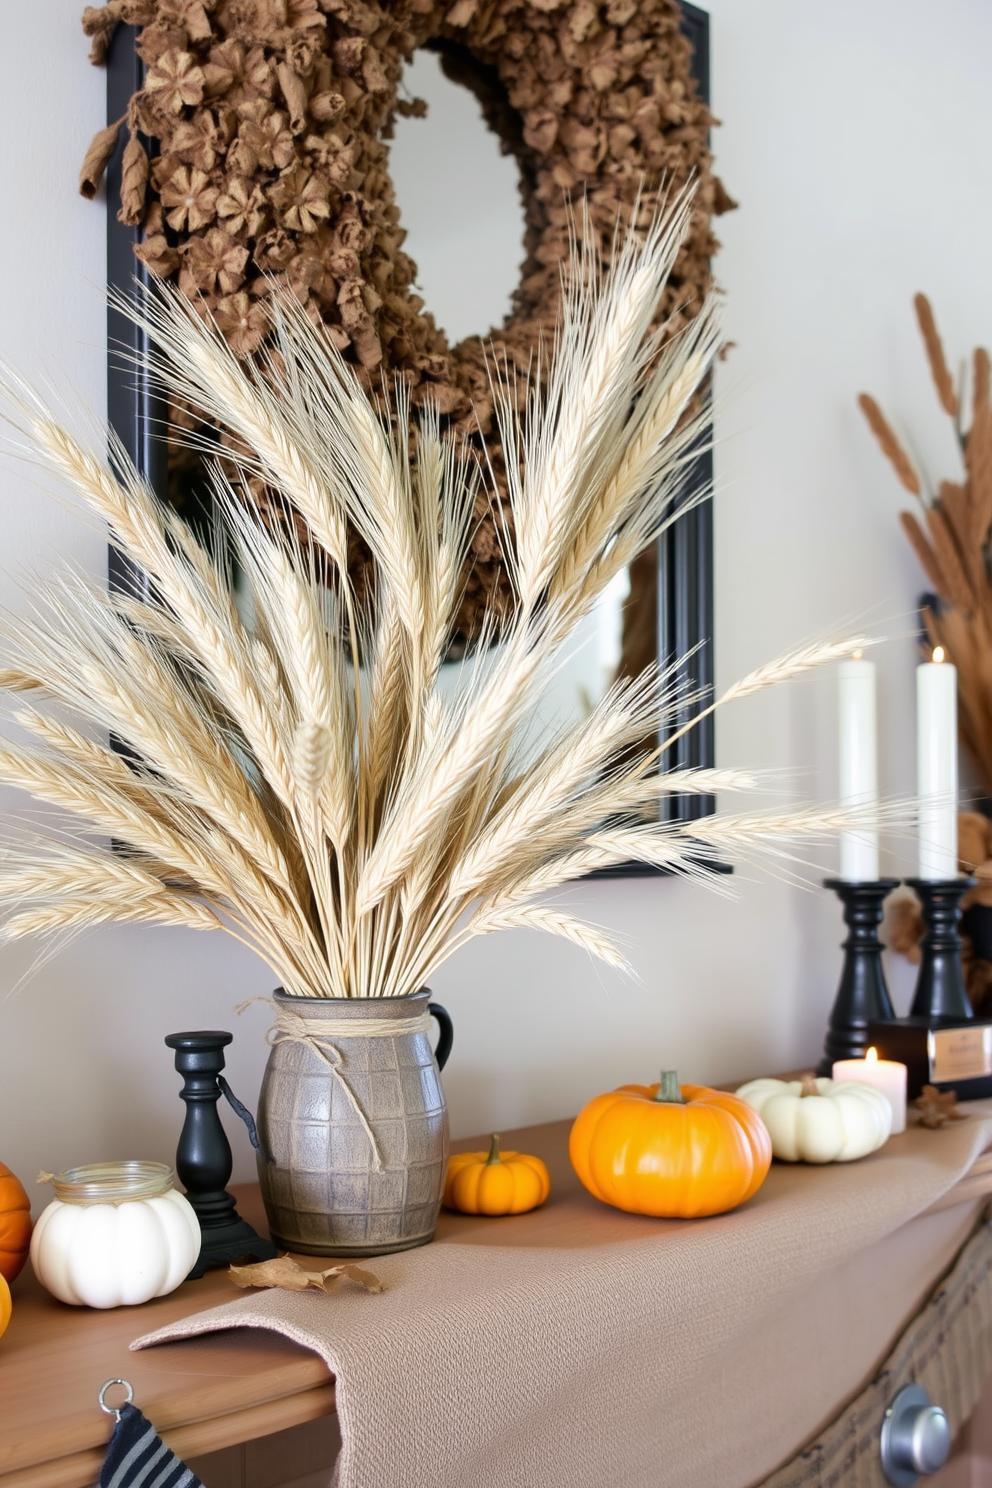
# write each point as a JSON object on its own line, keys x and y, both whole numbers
{"x": 578, "y": 1347}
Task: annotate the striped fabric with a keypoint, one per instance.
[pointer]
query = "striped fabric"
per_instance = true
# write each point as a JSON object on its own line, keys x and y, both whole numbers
{"x": 137, "y": 1457}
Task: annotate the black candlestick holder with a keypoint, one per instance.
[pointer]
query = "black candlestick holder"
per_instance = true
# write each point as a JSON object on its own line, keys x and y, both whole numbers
{"x": 203, "y": 1157}
{"x": 862, "y": 996}
{"x": 940, "y": 989}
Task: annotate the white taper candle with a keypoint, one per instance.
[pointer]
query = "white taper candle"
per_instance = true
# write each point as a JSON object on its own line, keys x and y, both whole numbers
{"x": 858, "y": 755}
{"x": 937, "y": 767}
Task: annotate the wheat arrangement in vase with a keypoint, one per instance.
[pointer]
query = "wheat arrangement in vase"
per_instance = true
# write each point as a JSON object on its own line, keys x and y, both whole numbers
{"x": 293, "y": 773}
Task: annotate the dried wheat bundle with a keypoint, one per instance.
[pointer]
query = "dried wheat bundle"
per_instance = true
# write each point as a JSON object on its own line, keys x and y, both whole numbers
{"x": 294, "y": 772}
{"x": 950, "y": 536}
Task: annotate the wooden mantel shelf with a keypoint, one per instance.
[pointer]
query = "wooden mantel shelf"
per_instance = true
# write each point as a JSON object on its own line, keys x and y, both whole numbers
{"x": 218, "y": 1390}
{"x": 214, "y": 1393}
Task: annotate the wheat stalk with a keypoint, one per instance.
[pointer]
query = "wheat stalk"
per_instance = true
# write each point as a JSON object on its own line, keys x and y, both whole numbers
{"x": 69, "y": 914}
{"x": 923, "y": 550}
{"x": 552, "y": 922}
{"x": 740, "y": 831}
{"x": 793, "y": 664}
{"x": 593, "y": 378}
{"x": 13, "y": 679}
{"x": 889, "y": 444}
{"x": 197, "y": 364}
{"x": 650, "y": 457}
{"x": 389, "y": 709}
{"x": 957, "y": 585}
{"x": 78, "y": 877}
{"x": 942, "y": 379}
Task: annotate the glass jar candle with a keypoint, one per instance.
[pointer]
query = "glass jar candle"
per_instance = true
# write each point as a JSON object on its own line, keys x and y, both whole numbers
{"x": 115, "y": 1234}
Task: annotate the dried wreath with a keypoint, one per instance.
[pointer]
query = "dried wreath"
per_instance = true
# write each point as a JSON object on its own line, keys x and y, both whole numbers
{"x": 271, "y": 121}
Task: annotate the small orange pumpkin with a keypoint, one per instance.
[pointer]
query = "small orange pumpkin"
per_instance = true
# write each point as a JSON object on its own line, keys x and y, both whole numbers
{"x": 495, "y": 1183}
{"x": 5, "y": 1305}
{"x": 675, "y": 1152}
{"x": 15, "y": 1224}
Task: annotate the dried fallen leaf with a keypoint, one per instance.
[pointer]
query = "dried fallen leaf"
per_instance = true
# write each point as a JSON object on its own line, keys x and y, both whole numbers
{"x": 289, "y": 1274}
{"x": 937, "y": 1106}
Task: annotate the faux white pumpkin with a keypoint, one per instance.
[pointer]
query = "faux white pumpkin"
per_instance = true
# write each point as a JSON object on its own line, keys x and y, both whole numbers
{"x": 116, "y": 1235}
{"x": 820, "y": 1121}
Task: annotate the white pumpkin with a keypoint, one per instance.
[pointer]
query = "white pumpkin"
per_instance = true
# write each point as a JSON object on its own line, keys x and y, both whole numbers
{"x": 820, "y": 1121}
{"x": 115, "y": 1255}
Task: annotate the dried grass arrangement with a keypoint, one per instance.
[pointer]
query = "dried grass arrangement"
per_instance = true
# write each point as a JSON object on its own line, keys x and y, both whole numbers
{"x": 951, "y": 534}
{"x": 295, "y": 775}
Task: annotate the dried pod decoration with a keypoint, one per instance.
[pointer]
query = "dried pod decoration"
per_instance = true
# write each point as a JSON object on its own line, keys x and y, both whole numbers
{"x": 938, "y": 1107}
{"x": 904, "y": 928}
{"x": 950, "y": 534}
{"x": 272, "y": 120}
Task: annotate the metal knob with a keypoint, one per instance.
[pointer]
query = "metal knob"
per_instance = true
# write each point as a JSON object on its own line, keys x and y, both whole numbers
{"x": 916, "y": 1437}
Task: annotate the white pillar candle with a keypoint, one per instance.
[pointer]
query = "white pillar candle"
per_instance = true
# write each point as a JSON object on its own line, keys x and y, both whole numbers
{"x": 858, "y": 767}
{"x": 937, "y": 767}
{"x": 885, "y": 1075}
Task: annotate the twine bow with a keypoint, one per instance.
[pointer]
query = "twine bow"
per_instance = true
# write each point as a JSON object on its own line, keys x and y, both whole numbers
{"x": 291, "y": 1027}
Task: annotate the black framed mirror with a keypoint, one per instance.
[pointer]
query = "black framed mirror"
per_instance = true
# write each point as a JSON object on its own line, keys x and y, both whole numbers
{"x": 680, "y": 575}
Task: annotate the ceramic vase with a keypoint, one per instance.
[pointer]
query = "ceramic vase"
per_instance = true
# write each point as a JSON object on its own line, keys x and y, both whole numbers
{"x": 353, "y": 1127}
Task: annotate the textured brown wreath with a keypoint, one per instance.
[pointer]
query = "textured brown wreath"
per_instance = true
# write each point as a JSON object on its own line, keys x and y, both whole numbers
{"x": 272, "y": 120}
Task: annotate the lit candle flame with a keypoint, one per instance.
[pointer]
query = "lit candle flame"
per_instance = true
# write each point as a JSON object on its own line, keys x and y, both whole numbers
{"x": 938, "y": 654}
{"x": 872, "y": 1056}
{"x": 858, "y": 655}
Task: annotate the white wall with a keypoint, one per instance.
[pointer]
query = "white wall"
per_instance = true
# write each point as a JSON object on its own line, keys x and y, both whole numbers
{"x": 856, "y": 137}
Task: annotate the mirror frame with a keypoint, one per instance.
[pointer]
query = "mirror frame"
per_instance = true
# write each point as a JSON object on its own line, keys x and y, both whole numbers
{"x": 137, "y": 415}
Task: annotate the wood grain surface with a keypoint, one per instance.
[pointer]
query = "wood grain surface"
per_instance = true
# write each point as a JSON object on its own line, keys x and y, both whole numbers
{"x": 205, "y": 1394}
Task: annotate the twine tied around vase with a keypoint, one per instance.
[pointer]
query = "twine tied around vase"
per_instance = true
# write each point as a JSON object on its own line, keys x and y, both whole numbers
{"x": 318, "y": 1034}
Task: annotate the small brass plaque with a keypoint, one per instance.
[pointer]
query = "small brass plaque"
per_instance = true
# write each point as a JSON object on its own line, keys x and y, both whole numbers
{"x": 959, "y": 1054}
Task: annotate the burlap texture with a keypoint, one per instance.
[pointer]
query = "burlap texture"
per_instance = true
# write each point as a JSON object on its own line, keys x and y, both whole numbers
{"x": 579, "y": 1346}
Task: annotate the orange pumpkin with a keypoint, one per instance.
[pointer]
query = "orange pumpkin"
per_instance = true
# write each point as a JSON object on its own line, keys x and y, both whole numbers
{"x": 15, "y": 1224}
{"x": 495, "y": 1183}
{"x": 5, "y": 1306}
{"x": 675, "y": 1152}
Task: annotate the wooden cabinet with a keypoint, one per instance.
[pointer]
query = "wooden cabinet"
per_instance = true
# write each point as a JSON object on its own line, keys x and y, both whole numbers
{"x": 302, "y": 1457}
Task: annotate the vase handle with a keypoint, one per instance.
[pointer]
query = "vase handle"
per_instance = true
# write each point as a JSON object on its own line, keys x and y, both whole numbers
{"x": 447, "y": 1038}
{"x": 242, "y": 1111}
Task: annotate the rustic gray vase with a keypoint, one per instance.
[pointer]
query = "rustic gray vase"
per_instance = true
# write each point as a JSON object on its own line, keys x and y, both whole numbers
{"x": 353, "y": 1127}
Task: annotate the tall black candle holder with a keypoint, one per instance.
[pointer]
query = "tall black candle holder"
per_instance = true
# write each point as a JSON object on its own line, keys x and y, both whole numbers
{"x": 862, "y": 996}
{"x": 203, "y": 1157}
{"x": 940, "y": 989}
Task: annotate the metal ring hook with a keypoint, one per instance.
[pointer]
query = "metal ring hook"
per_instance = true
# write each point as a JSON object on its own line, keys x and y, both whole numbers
{"x": 114, "y": 1410}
